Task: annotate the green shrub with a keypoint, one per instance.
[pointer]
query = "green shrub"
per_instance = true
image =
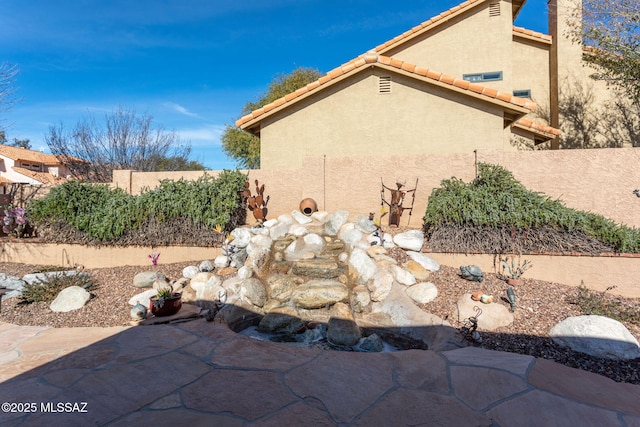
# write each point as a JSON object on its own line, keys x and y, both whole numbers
{"x": 591, "y": 302}
{"x": 47, "y": 290}
{"x": 107, "y": 214}
{"x": 496, "y": 199}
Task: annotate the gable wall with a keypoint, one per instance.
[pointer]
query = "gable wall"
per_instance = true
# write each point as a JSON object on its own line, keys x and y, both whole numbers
{"x": 352, "y": 118}
{"x": 471, "y": 43}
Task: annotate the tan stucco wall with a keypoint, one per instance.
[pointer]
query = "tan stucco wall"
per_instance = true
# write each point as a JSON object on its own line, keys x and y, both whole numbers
{"x": 598, "y": 180}
{"x": 531, "y": 65}
{"x": 453, "y": 48}
{"x": 352, "y": 118}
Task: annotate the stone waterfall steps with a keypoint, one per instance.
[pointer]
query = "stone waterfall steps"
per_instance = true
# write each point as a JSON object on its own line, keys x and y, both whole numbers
{"x": 300, "y": 271}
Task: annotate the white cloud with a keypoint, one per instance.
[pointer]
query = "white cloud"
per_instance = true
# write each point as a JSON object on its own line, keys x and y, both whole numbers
{"x": 180, "y": 109}
{"x": 208, "y": 135}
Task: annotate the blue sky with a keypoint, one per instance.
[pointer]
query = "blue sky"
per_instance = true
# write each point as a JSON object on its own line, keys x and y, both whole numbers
{"x": 191, "y": 64}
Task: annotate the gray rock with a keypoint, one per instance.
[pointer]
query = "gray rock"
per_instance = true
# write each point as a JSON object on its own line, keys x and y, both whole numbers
{"x": 425, "y": 261}
{"x": 259, "y": 253}
{"x": 423, "y": 293}
{"x": 597, "y": 336}
{"x": 241, "y": 237}
{"x": 69, "y": 299}
{"x": 342, "y": 328}
{"x": 206, "y": 266}
{"x": 282, "y": 320}
{"x": 281, "y": 286}
{"x": 362, "y": 265}
{"x": 351, "y": 237}
{"x": 335, "y": 221}
{"x": 493, "y": 315}
{"x": 145, "y": 279}
{"x": 411, "y": 240}
{"x": 44, "y": 277}
{"x": 190, "y": 271}
{"x": 13, "y": 284}
{"x": 366, "y": 225}
{"x": 320, "y": 293}
{"x": 371, "y": 344}
{"x": 253, "y": 291}
{"x": 360, "y": 299}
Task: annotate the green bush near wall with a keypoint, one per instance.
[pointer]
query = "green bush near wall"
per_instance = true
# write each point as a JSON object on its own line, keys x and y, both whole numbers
{"x": 496, "y": 199}
{"x": 106, "y": 214}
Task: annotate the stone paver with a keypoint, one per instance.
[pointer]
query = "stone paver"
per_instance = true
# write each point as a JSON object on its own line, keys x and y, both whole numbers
{"x": 200, "y": 373}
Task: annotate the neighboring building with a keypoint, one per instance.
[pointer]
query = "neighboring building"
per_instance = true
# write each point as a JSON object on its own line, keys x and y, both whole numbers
{"x": 466, "y": 79}
{"x": 20, "y": 165}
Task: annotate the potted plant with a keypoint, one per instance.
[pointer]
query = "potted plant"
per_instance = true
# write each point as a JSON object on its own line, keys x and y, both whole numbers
{"x": 166, "y": 302}
{"x": 514, "y": 270}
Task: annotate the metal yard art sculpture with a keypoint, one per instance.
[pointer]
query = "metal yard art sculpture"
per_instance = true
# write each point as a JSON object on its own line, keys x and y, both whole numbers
{"x": 258, "y": 203}
{"x": 397, "y": 198}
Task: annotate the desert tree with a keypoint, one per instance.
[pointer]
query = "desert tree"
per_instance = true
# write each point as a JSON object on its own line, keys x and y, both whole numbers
{"x": 125, "y": 140}
{"x": 244, "y": 147}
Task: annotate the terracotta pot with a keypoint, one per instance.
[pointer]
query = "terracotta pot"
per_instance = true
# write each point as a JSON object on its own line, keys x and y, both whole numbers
{"x": 308, "y": 206}
{"x": 170, "y": 306}
{"x": 515, "y": 282}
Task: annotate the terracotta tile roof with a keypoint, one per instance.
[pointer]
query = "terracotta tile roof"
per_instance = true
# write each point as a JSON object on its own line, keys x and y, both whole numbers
{"x": 523, "y": 32}
{"x": 425, "y": 74}
{"x": 4, "y": 180}
{"x": 17, "y": 153}
{"x": 43, "y": 177}
{"x": 547, "y": 132}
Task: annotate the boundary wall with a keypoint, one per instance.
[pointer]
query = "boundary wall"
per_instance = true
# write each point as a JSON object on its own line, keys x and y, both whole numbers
{"x": 597, "y": 180}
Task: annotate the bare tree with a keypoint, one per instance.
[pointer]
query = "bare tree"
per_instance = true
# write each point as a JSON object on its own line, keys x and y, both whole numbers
{"x": 91, "y": 151}
{"x": 8, "y": 75}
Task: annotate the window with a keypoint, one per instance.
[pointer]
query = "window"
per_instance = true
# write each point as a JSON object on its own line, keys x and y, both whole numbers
{"x": 384, "y": 84}
{"x": 523, "y": 93}
{"x": 483, "y": 77}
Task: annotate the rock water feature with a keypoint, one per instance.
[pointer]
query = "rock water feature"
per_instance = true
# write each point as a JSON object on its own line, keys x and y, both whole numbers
{"x": 321, "y": 277}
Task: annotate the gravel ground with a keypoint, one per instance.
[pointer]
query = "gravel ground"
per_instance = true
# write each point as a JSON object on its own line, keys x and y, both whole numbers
{"x": 540, "y": 306}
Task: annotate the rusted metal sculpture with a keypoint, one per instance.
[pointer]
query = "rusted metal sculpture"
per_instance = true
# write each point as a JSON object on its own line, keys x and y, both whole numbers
{"x": 258, "y": 203}
{"x": 397, "y": 199}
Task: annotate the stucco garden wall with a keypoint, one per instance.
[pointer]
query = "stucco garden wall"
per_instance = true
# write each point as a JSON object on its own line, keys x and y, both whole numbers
{"x": 598, "y": 180}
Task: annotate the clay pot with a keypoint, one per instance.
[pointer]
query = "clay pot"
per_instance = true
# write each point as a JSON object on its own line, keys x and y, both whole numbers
{"x": 169, "y": 307}
{"x": 515, "y": 282}
{"x": 308, "y": 206}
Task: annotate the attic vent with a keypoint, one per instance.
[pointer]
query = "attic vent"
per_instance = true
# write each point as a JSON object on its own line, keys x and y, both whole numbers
{"x": 384, "y": 85}
{"x": 494, "y": 9}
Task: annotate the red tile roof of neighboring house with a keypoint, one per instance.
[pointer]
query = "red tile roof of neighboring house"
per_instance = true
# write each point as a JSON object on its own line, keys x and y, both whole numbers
{"x": 17, "y": 153}
{"x": 431, "y": 76}
{"x": 4, "y": 180}
{"x": 43, "y": 177}
{"x": 547, "y": 132}
{"x": 523, "y": 32}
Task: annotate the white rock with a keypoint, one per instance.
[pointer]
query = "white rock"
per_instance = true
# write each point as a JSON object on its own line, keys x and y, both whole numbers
{"x": 362, "y": 265}
{"x": 411, "y": 240}
{"x": 190, "y": 271}
{"x": 253, "y": 291}
{"x": 387, "y": 241}
{"x": 335, "y": 221}
{"x": 278, "y": 230}
{"x": 145, "y": 279}
{"x": 143, "y": 297}
{"x": 298, "y": 230}
{"x": 423, "y": 293}
{"x": 199, "y": 280}
{"x": 241, "y": 237}
{"x": 425, "y": 261}
{"x": 221, "y": 261}
{"x": 365, "y": 225}
{"x": 244, "y": 272}
{"x": 381, "y": 285}
{"x": 287, "y": 219}
{"x": 270, "y": 223}
{"x": 351, "y": 237}
{"x": 403, "y": 276}
{"x": 314, "y": 243}
{"x": 320, "y": 216}
{"x": 300, "y": 217}
{"x": 597, "y": 336}
{"x": 494, "y": 315}
{"x": 69, "y": 299}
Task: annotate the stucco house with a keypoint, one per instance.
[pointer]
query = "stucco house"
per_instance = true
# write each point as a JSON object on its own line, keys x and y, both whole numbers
{"x": 439, "y": 87}
{"x": 20, "y": 165}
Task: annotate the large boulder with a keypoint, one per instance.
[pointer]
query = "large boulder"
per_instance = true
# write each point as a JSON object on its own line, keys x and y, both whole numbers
{"x": 423, "y": 293}
{"x": 411, "y": 240}
{"x": 597, "y": 336}
{"x": 424, "y": 260}
{"x": 493, "y": 315}
{"x": 145, "y": 279}
{"x": 69, "y": 299}
{"x": 342, "y": 328}
{"x": 319, "y": 293}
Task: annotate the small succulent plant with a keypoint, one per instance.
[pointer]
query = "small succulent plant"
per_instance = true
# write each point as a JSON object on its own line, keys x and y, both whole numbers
{"x": 515, "y": 269}
{"x": 161, "y": 295}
